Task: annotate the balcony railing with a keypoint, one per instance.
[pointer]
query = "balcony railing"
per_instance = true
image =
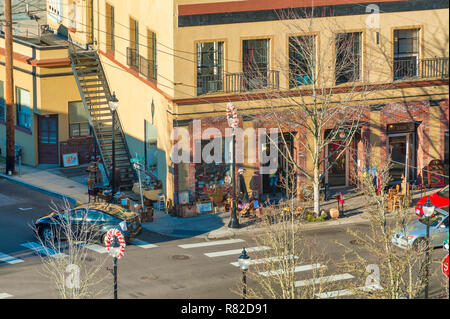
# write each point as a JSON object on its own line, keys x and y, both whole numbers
{"x": 240, "y": 82}
{"x": 209, "y": 83}
{"x": 147, "y": 68}
{"x": 410, "y": 67}
{"x": 434, "y": 68}
{"x": 132, "y": 57}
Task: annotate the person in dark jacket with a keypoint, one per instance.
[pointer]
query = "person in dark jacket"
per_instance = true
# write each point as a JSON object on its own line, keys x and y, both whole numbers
{"x": 243, "y": 200}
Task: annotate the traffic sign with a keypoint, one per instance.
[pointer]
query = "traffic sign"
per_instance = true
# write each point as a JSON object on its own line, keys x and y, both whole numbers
{"x": 115, "y": 243}
{"x": 445, "y": 266}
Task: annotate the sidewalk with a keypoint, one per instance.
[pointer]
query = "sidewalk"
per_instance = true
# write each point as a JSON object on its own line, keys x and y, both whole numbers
{"x": 71, "y": 183}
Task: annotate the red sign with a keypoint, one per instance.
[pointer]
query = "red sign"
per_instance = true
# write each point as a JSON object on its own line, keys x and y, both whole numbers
{"x": 119, "y": 251}
{"x": 445, "y": 266}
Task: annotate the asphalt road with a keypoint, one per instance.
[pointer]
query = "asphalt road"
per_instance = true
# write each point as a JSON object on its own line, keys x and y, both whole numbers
{"x": 156, "y": 266}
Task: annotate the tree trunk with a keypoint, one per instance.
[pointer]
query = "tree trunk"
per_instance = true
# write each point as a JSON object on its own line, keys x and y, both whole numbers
{"x": 316, "y": 186}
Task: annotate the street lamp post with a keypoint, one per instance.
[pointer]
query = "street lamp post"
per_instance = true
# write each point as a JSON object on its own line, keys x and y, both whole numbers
{"x": 113, "y": 105}
{"x": 244, "y": 263}
{"x": 428, "y": 210}
{"x": 234, "y": 222}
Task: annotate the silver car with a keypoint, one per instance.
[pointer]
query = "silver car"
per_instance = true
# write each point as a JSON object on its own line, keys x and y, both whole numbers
{"x": 414, "y": 233}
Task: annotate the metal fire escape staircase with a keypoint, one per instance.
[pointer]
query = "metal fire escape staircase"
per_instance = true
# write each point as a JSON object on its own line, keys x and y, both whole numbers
{"x": 95, "y": 93}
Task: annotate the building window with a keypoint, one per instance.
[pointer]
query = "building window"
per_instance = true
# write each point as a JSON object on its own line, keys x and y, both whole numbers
{"x": 147, "y": 66}
{"x": 2, "y": 102}
{"x": 133, "y": 49}
{"x": 301, "y": 60}
{"x": 78, "y": 122}
{"x": 151, "y": 147}
{"x": 214, "y": 166}
{"x": 209, "y": 67}
{"x": 23, "y": 111}
{"x": 110, "y": 45}
{"x": 406, "y": 53}
{"x": 348, "y": 57}
{"x": 256, "y": 63}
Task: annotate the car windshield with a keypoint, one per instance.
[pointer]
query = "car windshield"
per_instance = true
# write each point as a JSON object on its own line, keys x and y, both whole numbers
{"x": 443, "y": 192}
{"x": 434, "y": 221}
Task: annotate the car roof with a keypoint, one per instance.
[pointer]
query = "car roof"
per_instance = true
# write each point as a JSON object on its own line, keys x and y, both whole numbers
{"x": 111, "y": 209}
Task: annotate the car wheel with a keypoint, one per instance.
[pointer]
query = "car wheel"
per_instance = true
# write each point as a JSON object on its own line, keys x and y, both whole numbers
{"x": 420, "y": 244}
{"x": 47, "y": 234}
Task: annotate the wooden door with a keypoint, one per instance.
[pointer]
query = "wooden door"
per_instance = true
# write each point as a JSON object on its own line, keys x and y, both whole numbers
{"x": 48, "y": 139}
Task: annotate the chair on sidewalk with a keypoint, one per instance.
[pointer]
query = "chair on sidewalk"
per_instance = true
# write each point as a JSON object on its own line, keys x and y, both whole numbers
{"x": 161, "y": 201}
{"x": 92, "y": 191}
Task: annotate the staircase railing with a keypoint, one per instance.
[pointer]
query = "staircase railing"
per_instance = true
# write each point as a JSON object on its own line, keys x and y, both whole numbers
{"x": 96, "y": 131}
{"x": 116, "y": 117}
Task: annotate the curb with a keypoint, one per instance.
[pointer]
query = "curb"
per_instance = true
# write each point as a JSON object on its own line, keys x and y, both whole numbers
{"x": 72, "y": 200}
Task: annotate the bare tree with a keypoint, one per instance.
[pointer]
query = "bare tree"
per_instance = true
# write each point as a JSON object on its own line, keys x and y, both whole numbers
{"x": 327, "y": 98}
{"x": 400, "y": 272}
{"x": 67, "y": 263}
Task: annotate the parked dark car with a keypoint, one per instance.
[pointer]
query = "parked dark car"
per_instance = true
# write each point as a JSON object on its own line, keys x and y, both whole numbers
{"x": 89, "y": 221}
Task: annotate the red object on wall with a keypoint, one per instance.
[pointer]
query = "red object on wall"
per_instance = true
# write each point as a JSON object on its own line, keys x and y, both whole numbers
{"x": 445, "y": 266}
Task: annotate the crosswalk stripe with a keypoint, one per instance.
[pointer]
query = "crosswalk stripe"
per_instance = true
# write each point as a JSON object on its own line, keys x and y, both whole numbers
{"x": 4, "y": 295}
{"x": 43, "y": 250}
{"x": 9, "y": 259}
{"x": 97, "y": 248}
{"x": 235, "y": 251}
{"x": 296, "y": 269}
{"x": 345, "y": 292}
{"x": 319, "y": 280}
{"x": 212, "y": 243}
{"x": 265, "y": 260}
{"x": 143, "y": 244}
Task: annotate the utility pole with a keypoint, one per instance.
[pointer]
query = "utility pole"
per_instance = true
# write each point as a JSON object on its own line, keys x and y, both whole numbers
{"x": 9, "y": 89}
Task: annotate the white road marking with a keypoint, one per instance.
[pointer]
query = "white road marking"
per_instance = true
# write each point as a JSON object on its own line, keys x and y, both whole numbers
{"x": 28, "y": 208}
{"x": 43, "y": 250}
{"x": 9, "y": 259}
{"x": 97, "y": 248}
{"x": 345, "y": 292}
{"x": 319, "y": 280}
{"x": 235, "y": 251}
{"x": 4, "y": 295}
{"x": 143, "y": 244}
{"x": 212, "y": 243}
{"x": 265, "y": 260}
{"x": 296, "y": 269}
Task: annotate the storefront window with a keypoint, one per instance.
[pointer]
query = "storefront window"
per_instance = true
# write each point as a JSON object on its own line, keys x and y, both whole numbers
{"x": 78, "y": 122}
{"x": 209, "y": 173}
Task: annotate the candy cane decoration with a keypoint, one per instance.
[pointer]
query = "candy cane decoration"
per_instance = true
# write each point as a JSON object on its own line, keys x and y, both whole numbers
{"x": 115, "y": 252}
{"x": 232, "y": 119}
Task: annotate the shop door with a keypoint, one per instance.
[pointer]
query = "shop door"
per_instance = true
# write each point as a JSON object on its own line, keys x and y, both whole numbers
{"x": 48, "y": 139}
{"x": 337, "y": 174}
{"x": 401, "y": 148}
